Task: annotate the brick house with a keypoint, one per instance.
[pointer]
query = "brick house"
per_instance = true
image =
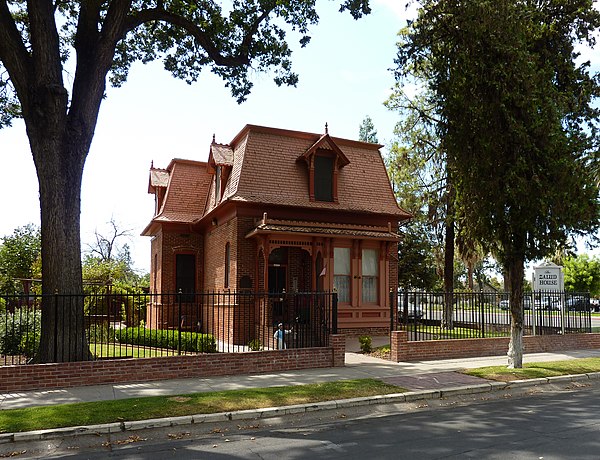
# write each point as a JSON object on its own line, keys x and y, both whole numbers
{"x": 278, "y": 210}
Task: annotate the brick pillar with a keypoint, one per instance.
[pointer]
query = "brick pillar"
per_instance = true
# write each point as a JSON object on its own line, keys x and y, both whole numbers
{"x": 399, "y": 346}
{"x": 338, "y": 343}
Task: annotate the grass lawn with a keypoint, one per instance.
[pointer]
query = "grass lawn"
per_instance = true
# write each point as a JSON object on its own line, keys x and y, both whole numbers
{"x": 537, "y": 370}
{"x": 435, "y": 332}
{"x": 91, "y": 413}
{"x": 118, "y": 350}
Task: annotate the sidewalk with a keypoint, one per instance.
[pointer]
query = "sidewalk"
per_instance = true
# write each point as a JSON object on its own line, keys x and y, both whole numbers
{"x": 413, "y": 376}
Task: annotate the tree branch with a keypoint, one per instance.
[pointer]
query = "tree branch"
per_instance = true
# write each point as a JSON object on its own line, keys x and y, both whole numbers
{"x": 201, "y": 36}
{"x": 14, "y": 54}
{"x": 45, "y": 45}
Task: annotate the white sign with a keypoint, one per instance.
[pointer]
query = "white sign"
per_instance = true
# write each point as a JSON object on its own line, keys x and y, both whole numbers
{"x": 548, "y": 277}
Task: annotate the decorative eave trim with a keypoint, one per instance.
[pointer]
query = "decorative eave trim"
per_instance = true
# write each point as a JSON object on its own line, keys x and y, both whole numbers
{"x": 342, "y": 160}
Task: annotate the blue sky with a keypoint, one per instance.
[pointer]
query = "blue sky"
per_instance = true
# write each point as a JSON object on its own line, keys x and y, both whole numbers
{"x": 344, "y": 76}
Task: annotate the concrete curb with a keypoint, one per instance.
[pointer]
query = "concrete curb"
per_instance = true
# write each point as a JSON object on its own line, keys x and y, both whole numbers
{"x": 254, "y": 414}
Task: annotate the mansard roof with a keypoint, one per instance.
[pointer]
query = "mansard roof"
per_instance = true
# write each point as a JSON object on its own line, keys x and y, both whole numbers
{"x": 263, "y": 169}
{"x": 188, "y": 183}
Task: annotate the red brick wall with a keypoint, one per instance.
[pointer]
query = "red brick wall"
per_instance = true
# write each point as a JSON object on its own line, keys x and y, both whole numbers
{"x": 169, "y": 244}
{"x": 156, "y": 263}
{"x": 214, "y": 258}
{"x": 246, "y": 252}
{"x": 338, "y": 343}
{"x": 403, "y": 350}
{"x": 64, "y": 375}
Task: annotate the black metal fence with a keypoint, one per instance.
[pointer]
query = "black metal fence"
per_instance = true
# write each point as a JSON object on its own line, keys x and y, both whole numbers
{"x": 462, "y": 315}
{"x": 119, "y": 325}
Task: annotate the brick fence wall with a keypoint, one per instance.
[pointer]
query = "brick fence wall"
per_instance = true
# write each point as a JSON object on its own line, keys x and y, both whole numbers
{"x": 403, "y": 350}
{"x": 64, "y": 375}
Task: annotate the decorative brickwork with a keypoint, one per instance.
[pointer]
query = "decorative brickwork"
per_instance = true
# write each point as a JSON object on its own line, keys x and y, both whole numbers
{"x": 64, "y": 375}
{"x": 338, "y": 344}
{"x": 359, "y": 331}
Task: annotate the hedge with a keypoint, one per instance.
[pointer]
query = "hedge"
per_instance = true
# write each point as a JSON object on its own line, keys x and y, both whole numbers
{"x": 192, "y": 342}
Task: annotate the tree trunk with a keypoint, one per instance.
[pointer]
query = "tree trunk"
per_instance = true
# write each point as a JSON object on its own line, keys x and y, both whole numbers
{"x": 470, "y": 282}
{"x": 59, "y": 146}
{"x": 515, "y": 272}
{"x": 59, "y": 176}
{"x": 447, "y": 317}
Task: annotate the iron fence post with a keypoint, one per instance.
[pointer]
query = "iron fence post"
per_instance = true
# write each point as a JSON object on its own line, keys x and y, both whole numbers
{"x": 391, "y": 310}
{"x": 179, "y": 295}
{"x": 482, "y": 314}
{"x": 334, "y": 319}
{"x": 56, "y": 325}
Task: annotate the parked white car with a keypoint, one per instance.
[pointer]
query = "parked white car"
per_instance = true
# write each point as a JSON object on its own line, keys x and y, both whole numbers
{"x": 413, "y": 311}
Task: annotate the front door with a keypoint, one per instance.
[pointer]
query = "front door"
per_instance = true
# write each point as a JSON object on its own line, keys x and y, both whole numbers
{"x": 277, "y": 285}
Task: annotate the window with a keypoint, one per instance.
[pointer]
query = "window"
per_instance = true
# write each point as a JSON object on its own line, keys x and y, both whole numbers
{"x": 341, "y": 273}
{"x": 217, "y": 185}
{"x": 185, "y": 275}
{"x": 227, "y": 264}
{"x": 154, "y": 274}
{"x": 370, "y": 275}
{"x": 323, "y": 178}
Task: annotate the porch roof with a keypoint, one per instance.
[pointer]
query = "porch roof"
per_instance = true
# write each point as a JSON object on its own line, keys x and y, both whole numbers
{"x": 322, "y": 229}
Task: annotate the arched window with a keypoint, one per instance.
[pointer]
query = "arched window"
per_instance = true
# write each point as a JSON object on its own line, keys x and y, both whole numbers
{"x": 227, "y": 264}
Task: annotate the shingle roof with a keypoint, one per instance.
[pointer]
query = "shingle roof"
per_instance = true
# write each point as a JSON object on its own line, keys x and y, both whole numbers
{"x": 158, "y": 178}
{"x": 265, "y": 171}
{"x": 188, "y": 185}
{"x": 266, "y": 166}
{"x": 221, "y": 155}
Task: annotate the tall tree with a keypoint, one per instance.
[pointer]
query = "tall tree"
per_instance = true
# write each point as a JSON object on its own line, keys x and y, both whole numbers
{"x": 517, "y": 122}
{"x": 103, "y": 39}
{"x": 419, "y": 169}
{"x": 367, "y": 131}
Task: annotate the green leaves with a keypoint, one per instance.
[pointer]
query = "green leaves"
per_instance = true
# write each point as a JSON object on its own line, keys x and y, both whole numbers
{"x": 516, "y": 116}
{"x": 582, "y": 274}
{"x": 20, "y": 256}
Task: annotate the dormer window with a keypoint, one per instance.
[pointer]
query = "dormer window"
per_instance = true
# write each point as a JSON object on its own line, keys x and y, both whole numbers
{"x": 217, "y": 185}
{"x": 325, "y": 160}
{"x": 324, "y": 177}
{"x": 220, "y": 162}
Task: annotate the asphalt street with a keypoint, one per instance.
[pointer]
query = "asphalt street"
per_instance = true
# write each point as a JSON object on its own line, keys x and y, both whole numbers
{"x": 551, "y": 422}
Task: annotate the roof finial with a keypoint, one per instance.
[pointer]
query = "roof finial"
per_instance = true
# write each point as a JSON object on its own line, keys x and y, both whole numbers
{"x": 152, "y": 164}
{"x": 214, "y": 142}
{"x": 326, "y": 128}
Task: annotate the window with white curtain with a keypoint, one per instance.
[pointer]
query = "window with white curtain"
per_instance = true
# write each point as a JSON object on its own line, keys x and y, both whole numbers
{"x": 370, "y": 275}
{"x": 341, "y": 273}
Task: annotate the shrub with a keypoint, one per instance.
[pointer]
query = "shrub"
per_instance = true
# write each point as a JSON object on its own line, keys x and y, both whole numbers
{"x": 366, "y": 345}
{"x": 193, "y": 342}
{"x": 14, "y": 326}
{"x": 30, "y": 344}
{"x": 255, "y": 345}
